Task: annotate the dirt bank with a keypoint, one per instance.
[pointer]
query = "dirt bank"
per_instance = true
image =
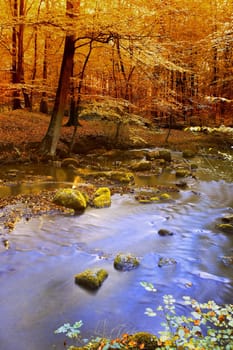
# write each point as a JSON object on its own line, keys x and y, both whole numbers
{"x": 21, "y": 132}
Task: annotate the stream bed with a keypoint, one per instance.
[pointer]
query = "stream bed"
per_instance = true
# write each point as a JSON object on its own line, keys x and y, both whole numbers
{"x": 38, "y": 293}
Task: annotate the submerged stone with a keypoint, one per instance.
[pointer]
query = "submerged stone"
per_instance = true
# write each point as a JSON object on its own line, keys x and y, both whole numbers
{"x": 91, "y": 279}
{"x": 125, "y": 262}
{"x": 70, "y": 198}
{"x": 164, "y": 232}
{"x": 166, "y": 262}
{"x": 142, "y": 165}
{"x": 102, "y": 198}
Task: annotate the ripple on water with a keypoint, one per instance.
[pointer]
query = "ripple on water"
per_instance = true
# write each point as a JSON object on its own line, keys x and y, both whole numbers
{"x": 46, "y": 253}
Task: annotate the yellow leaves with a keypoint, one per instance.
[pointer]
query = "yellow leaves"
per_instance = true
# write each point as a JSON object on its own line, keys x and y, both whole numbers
{"x": 168, "y": 342}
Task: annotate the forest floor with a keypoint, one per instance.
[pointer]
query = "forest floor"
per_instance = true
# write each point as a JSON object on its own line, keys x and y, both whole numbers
{"x": 21, "y": 133}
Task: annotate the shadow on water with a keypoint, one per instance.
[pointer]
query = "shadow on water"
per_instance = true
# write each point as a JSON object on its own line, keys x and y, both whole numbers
{"x": 38, "y": 293}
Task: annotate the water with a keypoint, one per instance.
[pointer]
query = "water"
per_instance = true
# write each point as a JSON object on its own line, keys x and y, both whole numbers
{"x": 38, "y": 293}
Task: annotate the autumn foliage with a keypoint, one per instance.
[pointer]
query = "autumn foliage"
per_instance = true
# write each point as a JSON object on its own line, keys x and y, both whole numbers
{"x": 170, "y": 61}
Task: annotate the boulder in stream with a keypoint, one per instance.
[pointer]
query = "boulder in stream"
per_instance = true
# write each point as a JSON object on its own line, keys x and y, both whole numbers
{"x": 228, "y": 219}
{"x": 226, "y": 227}
{"x": 91, "y": 279}
{"x": 182, "y": 173}
{"x": 188, "y": 153}
{"x": 166, "y": 155}
{"x": 124, "y": 177}
{"x": 125, "y": 262}
{"x": 70, "y": 198}
{"x": 164, "y": 232}
{"x": 227, "y": 260}
{"x": 143, "y": 165}
{"x": 102, "y": 198}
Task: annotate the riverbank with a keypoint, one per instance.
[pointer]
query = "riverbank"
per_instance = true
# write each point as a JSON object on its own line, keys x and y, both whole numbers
{"x": 21, "y": 133}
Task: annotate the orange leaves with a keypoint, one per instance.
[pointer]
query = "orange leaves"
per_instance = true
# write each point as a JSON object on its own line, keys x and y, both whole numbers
{"x": 196, "y": 322}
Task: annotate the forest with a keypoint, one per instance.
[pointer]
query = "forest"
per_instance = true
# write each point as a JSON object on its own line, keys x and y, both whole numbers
{"x": 169, "y": 61}
{"x": 116, "y": 180}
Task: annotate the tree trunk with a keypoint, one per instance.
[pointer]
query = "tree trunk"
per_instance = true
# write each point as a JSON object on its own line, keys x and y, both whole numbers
{"x": 44, "y": 102}
{"x": 50, "y": 141}
{"x": 18, "y": 56}
{"x": 15, "y": 79}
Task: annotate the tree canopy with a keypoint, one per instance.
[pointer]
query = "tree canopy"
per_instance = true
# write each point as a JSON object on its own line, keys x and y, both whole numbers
{"x": 168, "y": 60}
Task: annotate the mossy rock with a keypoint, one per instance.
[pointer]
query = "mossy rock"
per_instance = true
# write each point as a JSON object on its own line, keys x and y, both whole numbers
{"x": 91, "y": 279}
{"x": 140, "y": 340}
{"x": 165, "y": 196}
{"x": 228, "y": 219}
{"x": 188, "y": 153}
{"x": 166, "y": 155}
{"x": 154, "y": 199}
{"x": 182, "y": 173}
{"x": 143, "y": 165}
{"x": 122, "y": 177}
{"x": 193, "y": 166}
{"x": 151, "y": 155}
{"x": 227, "y": 228}
{"x": 144, "y": 340}
{"x": 70, "y": 198}
{"x": 145, "y": 201}
{"x": 102, "y": 198}
{"x": 125, "y": 262}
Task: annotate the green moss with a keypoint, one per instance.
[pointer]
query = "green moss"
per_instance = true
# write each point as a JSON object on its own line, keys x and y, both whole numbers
{"x": 166, "y": 155}
{"x": 125, "y": 262}
{"x": 165, "y": 196}
{"x": 193, "y": 166}
{"x": 188, "y": 153}
{"x": 122, "y": 177}
{"x": 102, "y": 198}
{"x": 227, "y": 228}
{"x": 182, "y": 173}
{"x": 70, "y": 198}
{"x": 143, "y": 165}
{"x": 145, "y": 201}
{"x": 144, "y": 340}
{"x": 154, "y": 199}
{"x": 91, "y": 279}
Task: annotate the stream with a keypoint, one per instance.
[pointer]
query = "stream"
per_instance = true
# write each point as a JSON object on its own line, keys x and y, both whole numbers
{"x": 38, "y": 293}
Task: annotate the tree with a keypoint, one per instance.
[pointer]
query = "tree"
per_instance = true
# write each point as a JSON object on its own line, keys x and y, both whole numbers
{"x": 49, "y": 143}
{"x": 18, "y": 54}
